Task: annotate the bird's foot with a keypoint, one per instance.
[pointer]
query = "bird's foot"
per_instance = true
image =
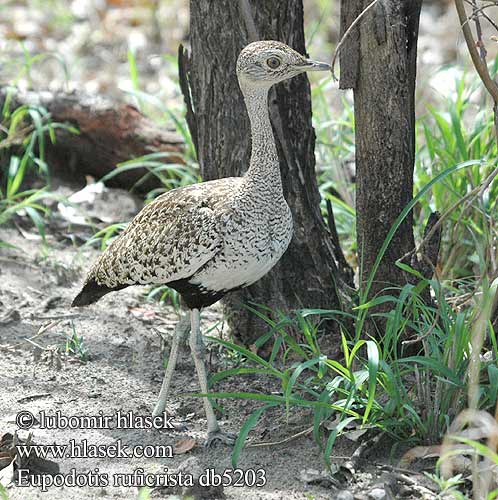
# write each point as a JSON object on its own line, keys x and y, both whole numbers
{"x": 219, "y": 436}
{"x": 158, "y": 410}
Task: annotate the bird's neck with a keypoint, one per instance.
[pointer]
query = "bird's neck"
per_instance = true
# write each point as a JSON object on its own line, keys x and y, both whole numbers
{"x": 264, "y": 167}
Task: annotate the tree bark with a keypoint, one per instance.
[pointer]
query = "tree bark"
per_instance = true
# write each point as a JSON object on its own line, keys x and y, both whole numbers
{"x": 110, "y": 132}
{"x": 308, "y": 274}
{"x": 383, "y": 79}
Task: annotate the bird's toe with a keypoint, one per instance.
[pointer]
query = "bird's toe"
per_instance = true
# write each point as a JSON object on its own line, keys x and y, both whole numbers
{"x": 219, "y": 436}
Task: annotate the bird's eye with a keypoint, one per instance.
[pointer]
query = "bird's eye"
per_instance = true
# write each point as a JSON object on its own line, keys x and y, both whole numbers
{"x": 273, "y": 62}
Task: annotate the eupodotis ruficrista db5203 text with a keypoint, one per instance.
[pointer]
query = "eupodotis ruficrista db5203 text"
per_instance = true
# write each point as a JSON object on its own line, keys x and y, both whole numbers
{"x": 211, "y": 238}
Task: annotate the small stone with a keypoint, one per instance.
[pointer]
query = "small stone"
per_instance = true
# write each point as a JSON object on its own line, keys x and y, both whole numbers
{"x": 377, "y": 494}
{"x": 310, "y": 476}
{"x": 344, "y": 495}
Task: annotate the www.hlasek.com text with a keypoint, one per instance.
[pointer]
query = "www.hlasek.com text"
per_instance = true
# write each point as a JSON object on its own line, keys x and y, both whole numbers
{"x": 84, "y": 449}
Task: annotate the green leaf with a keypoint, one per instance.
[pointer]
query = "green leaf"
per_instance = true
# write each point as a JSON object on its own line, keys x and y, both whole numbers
{"x": 249, "y": 424}
{"x": 270, "y": 398}
{"x": 3, "y": 493}
{"x": 333, "y": 436}
{"x": 247, "y": 353}
{"x": 408, "y": 269}
{"x": 437, "y": 366}
{"x": 232, "y": 372}
{"x": 373, "y": 367}
{"x": 295, "y": 375}
{"x": 37, "y": 220}
{"x": 132, "y": 64}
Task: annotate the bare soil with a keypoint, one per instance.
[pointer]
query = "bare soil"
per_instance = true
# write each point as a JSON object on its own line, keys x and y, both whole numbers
{"x": 124, "y": 371}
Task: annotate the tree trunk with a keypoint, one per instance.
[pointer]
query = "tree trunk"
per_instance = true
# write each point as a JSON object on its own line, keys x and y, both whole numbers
{"x": 308, "y": 274}
{"x": 110, "y": 132}
{"x": 379, "y": 63}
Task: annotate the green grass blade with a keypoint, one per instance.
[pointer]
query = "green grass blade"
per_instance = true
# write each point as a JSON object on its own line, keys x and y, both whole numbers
{"x": 249, "y": 424}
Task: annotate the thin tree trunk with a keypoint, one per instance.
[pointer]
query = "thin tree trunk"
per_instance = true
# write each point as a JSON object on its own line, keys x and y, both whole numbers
{"x": 308, "y": 274}
{"x": 379, "y": 63}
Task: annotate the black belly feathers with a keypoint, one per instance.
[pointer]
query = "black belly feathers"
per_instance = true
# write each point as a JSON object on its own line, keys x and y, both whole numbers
{"x": 92, "y": 292}
{"x": 195, "y": 296}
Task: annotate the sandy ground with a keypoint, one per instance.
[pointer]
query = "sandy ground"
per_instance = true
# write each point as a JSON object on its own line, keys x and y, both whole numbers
{"x": 124, "y": 372}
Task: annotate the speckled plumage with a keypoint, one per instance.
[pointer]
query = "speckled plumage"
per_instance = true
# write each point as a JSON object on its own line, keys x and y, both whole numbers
{"x": 207, "y": 239}
{"x": 216, "y": 236}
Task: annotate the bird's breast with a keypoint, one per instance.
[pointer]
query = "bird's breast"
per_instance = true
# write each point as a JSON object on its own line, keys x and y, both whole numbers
{"x": 253, "y": 244}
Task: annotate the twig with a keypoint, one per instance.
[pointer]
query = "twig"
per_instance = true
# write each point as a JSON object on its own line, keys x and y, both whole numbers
{"x": 38, "y": 346}
{"x": 394, "y": 468}
{"x": 55, "y": 316}
{"x": 160, "y": 334}
{"x": 41, "y": 331}
{"x": 346, "y": 34}
{"x": 490, "y": 21}
{"x": 283, "y": 441}
{"x": 480, "y": 65}
{"x": 414, "y": 484}
{"x": 28, "y": 399}
{"x": 481, "y": 11}
{"x": 419, "y": 338}
{"x": 482, "y": 48}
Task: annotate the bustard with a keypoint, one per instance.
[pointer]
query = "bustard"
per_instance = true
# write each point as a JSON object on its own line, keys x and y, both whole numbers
{"x": 208, "y": 239}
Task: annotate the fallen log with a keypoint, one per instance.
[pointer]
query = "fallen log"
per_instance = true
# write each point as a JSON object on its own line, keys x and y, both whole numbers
{"x": 110, "y": 132}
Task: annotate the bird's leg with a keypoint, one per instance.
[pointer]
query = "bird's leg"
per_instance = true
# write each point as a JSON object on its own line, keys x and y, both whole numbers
{"x": 198, "y": 354}
{"x": 181, "y": 331}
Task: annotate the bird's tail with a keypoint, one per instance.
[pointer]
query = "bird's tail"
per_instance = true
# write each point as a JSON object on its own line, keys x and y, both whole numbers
{"x": 91, "y": 292}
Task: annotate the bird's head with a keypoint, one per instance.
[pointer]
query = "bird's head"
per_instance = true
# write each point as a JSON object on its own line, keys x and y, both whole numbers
{"x": 264, "y": 63}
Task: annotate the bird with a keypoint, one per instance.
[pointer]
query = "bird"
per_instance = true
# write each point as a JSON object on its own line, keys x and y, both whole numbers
{"x": 208, "y": 239}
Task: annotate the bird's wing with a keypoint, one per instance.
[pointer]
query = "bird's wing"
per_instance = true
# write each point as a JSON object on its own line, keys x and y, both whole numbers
{"x": 170, "y": 239}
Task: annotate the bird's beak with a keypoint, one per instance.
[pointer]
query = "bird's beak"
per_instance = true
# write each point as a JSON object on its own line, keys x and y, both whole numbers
{"x": 310, "y": 65}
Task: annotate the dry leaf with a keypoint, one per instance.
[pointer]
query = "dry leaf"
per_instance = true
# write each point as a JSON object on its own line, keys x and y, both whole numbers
{"x": 184, "y": 446}
{"x": 356, "y": 434}
{"x": 142, "y": 314}
{"x": 419, "y": 452}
